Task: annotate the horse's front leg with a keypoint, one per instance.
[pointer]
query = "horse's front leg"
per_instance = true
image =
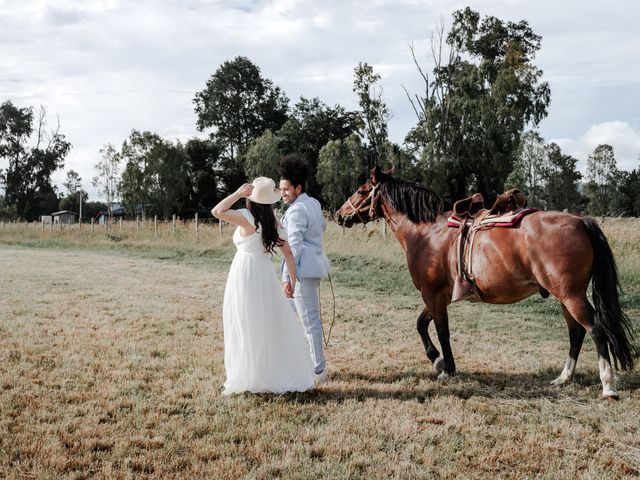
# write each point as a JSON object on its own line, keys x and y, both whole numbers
{"x": 423, "y": 329}
{"x": 438, "y": 305}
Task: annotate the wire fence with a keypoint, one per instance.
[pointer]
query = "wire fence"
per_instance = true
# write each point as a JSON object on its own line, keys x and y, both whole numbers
{"x": 152, "y": 227}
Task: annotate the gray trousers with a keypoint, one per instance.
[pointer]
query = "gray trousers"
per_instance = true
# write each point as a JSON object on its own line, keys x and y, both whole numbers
{"x": 307, "y": 305}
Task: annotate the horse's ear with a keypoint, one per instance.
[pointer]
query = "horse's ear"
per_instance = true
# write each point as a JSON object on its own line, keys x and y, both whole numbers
{"x": 376, "y": 175}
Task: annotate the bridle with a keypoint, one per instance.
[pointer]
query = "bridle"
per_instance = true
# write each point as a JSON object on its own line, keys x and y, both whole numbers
{"x": 358, "y": 210}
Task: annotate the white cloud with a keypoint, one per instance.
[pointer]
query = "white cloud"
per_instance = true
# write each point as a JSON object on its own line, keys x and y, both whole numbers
{"x": 624, "y": 139}
{"x": 108, "y": 66}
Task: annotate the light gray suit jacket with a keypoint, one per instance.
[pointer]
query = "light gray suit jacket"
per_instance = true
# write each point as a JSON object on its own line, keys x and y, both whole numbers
{"x": 304, "y": 225}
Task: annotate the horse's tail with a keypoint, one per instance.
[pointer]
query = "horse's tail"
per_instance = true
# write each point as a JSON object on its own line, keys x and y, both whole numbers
{"x": 608, "y": 312}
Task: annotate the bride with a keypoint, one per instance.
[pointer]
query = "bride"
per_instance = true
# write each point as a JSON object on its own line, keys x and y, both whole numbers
{"x": 265, "y": 349}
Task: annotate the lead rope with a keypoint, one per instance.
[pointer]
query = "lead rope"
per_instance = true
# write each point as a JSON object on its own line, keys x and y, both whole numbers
{"x": 333, "y": 320}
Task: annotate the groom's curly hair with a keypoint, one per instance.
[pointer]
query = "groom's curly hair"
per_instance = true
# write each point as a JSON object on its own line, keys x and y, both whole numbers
{"x": 295, "y": 169}
{"x": 265, "y": 219}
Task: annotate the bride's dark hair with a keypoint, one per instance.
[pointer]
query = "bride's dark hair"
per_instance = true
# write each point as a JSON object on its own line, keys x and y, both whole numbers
{"x": 264, "y": 217}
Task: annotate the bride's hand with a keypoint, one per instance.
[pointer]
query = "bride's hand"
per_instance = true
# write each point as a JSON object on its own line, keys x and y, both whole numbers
{"x": 245, "y": 190}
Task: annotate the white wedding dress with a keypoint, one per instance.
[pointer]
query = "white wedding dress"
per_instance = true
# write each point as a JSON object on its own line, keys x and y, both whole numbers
{"x": 265, "y": 349}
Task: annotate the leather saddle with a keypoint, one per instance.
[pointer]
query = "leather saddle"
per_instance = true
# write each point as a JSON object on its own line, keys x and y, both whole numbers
{"x": 473, "y": 206}
{"x": 470, "y": 215}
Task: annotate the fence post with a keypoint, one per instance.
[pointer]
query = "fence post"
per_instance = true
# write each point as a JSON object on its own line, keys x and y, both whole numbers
{"x": 173, "y": 224}
{"x": 220, "y": 226}
{"x": 137, "y": 222}
{"x": 384, "y": 228}
{"x": 91, "y": 224}
{"x": 155, "y": 225}
{"x": 120, "y": 223}
{"x": 197, "y": 232}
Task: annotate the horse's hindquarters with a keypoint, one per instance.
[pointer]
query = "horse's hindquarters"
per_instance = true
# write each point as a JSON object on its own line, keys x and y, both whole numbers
{"x": 549, "y": 250}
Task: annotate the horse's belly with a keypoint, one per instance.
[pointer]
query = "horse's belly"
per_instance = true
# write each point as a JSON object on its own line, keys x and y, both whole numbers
{"x": 510, "y": 294}
{"x": 504, "y": 280}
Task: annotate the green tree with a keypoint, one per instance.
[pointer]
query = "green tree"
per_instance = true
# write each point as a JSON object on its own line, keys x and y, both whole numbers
{"x": 560, "y": 177}
{"x": 204, "y": 189}
{"x": 630, "y": 193}
{"x": 602, "y": 180}
{"x": 91, "y": 209}
{"x": 529, "y": 168}
{"x": 108, "y": 179}
{"x": 33, "y": 153}
{"x": 239, "y": 105}
{"x": 341, "y": 169}
{"x": 374, "y": 114}
{"x": 154, "y": 180}
{"x": 311, "y": 125}
{"x": 263, "y": 157}
{"x": 72, "y": 202}
{"x": 7, "y": 213}
{"x": 73, "y": 184}
{"x": 484, "y": 91}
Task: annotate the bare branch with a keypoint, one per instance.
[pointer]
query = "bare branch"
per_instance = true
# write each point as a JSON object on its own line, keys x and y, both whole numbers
{"x": 42, "y": 112}
{"x": 415, "y": 110}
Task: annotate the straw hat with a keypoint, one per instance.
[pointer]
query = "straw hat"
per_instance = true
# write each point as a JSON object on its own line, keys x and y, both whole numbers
{"x": 264, "y": 191}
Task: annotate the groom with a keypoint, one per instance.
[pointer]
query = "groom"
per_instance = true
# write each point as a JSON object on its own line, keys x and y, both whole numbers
{"x": 304, "y": 224}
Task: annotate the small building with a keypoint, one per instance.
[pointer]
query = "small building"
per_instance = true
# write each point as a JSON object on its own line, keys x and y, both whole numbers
{"x": 64, "y": 216}
{"x": 46, "y": 219}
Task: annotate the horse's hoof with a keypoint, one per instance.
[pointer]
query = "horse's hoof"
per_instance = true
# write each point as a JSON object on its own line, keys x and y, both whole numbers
{"x": 438, "y": 364}
{"x": 443, "y": 376}
{"x": 610, "y": 394}
{"x": 561, "y": 382}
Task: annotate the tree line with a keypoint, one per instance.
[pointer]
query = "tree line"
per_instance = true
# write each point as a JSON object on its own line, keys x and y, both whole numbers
{"x": 475, "y": 130}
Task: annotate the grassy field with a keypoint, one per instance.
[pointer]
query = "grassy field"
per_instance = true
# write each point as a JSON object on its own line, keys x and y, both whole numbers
{"x": 111, "y": 366}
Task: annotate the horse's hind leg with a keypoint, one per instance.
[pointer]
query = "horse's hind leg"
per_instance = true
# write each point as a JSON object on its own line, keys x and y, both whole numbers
{"x": 423, "y": 329}
{"x": 576, "y": 337}
{"x": 582, "y": 311}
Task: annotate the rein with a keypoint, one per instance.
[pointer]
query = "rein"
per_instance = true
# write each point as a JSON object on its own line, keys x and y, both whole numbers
{"x": 333, "y": 320}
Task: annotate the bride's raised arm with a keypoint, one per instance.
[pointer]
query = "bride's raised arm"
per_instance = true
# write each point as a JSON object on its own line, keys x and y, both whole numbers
{"x": 223, "y": 210}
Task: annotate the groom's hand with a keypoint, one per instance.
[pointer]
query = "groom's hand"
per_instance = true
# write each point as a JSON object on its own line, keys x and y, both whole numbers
{"x": 286, "y": 288}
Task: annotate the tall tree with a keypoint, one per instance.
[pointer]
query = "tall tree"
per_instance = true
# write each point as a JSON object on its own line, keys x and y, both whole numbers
{"x": 341, "y": 169}
{"x": 630, "y": 193}
{"x": 154, "y": 180}
{"x": 239, "y": 105}
{"x": 374, "y": 114}
{"x": 73, "y": 184}
{"x": 311, "y": 125}
{"x": 529, "y": 168}
{"x": 484, "y": 91}
{"x": 108, "y": 179}
{"x": 204, "y": 189}
{"x": 263, "y": 157}
{"x": 27, "y": 178}
{"x": 602, "y": 179}
{"x": 560, "y": 177}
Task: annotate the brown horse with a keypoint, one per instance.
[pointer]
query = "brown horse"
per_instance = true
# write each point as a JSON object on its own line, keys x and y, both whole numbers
{"x": 549, "y": 252}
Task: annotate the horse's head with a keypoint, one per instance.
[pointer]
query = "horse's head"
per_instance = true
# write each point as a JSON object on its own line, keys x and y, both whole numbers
{"x": 363, "y": 206}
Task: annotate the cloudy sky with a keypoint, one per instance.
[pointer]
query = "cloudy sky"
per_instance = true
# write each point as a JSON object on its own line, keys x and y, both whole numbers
{"x": 105, "y": 67}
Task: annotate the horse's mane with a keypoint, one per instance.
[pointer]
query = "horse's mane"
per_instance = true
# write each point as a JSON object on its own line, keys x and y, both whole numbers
{"x": 420, "y": 204}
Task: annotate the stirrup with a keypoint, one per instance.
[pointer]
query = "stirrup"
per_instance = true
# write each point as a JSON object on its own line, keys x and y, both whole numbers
{"x": 463, "y": 289}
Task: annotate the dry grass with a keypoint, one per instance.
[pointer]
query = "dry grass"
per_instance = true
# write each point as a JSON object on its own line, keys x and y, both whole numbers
{"x": 111, "y": 367}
